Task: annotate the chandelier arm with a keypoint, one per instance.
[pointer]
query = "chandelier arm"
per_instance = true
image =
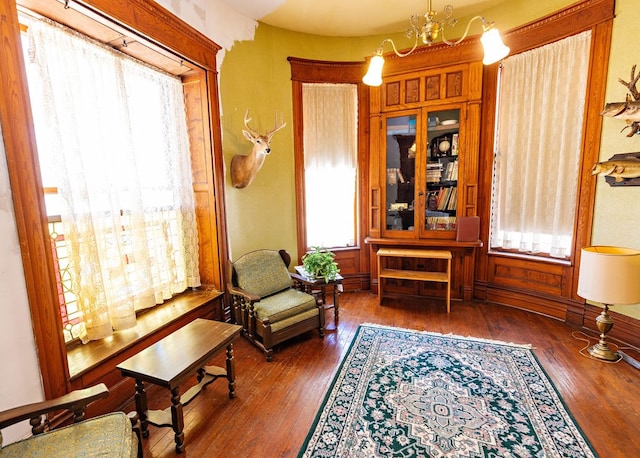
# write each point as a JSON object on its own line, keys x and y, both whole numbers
{"x": 464, "y": 35}
{"x": 393, "y": 45}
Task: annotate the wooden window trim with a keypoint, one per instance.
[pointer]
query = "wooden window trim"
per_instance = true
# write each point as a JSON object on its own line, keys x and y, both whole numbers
{"x": 353, "y": 261}
{"x": 167, "y": 36}
{"x": 594, "y": 15}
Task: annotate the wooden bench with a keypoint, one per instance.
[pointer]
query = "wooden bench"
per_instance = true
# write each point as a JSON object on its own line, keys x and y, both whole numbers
{"x": 401, "y": 274}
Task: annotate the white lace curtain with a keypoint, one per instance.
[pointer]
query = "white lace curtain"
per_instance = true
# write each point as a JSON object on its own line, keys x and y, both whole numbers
{"x": 112, "y": 137}
{"x": 537, "y": 157}
{"x": 330, "y": 117}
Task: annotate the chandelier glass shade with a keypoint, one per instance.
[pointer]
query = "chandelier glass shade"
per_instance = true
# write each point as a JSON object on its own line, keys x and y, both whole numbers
{"x": 427, "y": 30}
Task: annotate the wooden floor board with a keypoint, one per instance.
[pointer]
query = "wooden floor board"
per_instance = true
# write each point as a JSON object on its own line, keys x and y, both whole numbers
{"x": 276, "y": 402}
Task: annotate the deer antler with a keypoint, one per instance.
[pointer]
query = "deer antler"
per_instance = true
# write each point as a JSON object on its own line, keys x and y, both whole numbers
{"x": 276, "y": 127}
{"x": 631, "y": 85}
{"x": 253, "y": 132}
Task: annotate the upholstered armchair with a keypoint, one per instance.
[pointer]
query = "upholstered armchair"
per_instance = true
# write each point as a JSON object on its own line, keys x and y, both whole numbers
{"x": 106, "y": 435}
{"x": 265, "y": 302}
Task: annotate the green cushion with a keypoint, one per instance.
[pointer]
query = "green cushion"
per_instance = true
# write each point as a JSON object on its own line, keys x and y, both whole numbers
{"x": 284, "y": 305}
{"x": 107, "y": 435}
{"x": 262, "y": 272}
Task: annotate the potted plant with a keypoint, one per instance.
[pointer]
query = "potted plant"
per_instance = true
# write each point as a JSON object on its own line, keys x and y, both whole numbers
{"x": 319, "y": 263}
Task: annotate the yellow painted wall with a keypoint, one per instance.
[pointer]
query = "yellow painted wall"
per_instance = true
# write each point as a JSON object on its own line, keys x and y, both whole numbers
{"x": 617, "y": 209}
{"x": 256, "y": 75}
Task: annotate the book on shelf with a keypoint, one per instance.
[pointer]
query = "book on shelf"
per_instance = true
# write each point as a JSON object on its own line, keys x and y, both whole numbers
{"x": 440, "y": 222}
{"x": 454, "y": 145}
{"x": 452, "y": 203}
{"x": 451, "y": 172}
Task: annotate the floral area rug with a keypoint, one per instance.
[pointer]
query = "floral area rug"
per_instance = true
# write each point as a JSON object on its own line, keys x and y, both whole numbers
{"x": 405, "y": 393}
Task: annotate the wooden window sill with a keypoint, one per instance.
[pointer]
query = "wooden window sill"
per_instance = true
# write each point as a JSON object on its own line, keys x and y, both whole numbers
{"x": 525, "y": 256}
{"x": 83, "y": 358}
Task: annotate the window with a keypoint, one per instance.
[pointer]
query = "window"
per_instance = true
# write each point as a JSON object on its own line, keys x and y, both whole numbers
{"x": 114, "y": 158}
{"x": 330, "y": 120}
{"x": 537, "y": 159}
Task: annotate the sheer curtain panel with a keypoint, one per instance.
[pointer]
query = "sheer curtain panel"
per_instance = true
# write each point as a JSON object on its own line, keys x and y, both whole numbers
{"x": 111, "y": 135}
{"x": 330, "y": 117}
{"x": 538, "y": 145}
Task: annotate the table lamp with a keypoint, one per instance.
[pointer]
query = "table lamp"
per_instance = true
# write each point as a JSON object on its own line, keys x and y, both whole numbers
{"x": 608, "y": 275}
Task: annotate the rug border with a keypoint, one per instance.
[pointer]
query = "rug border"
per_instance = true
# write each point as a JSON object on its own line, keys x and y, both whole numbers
{"x": 566, "y": 407}
{"x": 450, "y": 335}
{"x": 327, "y": 395}
{"x": 359, "y": 329}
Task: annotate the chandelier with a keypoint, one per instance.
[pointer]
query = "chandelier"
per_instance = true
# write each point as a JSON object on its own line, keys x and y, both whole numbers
{"x": 427, "y": 29}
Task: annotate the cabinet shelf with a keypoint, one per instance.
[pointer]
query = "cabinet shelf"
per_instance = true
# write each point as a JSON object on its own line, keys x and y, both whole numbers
{"x": 441, "y": 128}
{"x": 440, "y": 184}
{"x": 439, "y": 164}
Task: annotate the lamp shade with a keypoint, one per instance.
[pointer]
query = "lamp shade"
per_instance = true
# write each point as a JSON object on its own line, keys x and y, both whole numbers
{"x": 610, "y": 275}
{"x": 374, "y": 74}
{"x": 494, "y": 48}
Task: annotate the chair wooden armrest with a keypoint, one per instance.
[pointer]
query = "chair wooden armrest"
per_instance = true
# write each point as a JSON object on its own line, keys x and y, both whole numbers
{"x": 237, "y": 291}
{"x": 268, "y": 301}
{"x": 75, "y": 401}
{"x": 113, "y": 434}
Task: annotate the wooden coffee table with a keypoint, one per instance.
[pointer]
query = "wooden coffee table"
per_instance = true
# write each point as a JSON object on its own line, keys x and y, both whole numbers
{"x": 171, "y": 361}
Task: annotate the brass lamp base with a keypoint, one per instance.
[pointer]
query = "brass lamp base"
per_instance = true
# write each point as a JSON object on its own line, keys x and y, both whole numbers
{"x": 601, "y": 350}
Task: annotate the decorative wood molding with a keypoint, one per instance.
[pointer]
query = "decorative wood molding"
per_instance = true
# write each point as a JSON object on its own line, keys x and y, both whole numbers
{"x": 434, "y": 56}
{"x": 596, "y": 16}
{"x": 315, "y": 71}
{"x": 353, "y": 261}
{"x": 158, "y": 25}
{"x": 28, "y": 202}
{"x": 561, "y": 24}
{"x": 151, "y": 23}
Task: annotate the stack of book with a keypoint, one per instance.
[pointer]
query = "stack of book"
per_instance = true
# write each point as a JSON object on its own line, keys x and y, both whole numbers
{"x": 434, "y": 172}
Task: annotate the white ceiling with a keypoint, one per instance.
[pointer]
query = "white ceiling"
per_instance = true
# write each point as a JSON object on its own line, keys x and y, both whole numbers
{"x": 355, "y": 18}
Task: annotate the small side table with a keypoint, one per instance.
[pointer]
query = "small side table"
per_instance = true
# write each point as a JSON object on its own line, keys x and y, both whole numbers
{"x": 318, "y": 287}
{"x": 171, "y": 361}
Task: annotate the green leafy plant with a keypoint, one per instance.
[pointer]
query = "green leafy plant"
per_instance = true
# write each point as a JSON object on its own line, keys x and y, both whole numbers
{"x": 319, "y": 263}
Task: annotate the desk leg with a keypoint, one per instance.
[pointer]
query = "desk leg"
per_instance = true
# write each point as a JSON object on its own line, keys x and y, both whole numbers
{"x": 141, "y": 407}
{"x": 177, "y": 419}
{"x": 231, "y": 371}
{"x": 336, "y": 308}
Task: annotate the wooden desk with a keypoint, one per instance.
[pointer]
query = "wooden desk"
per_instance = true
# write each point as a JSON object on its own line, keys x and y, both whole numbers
{"x": 318, "y": 286}
{"x": 171, "y": 361}
{"x": 443, "y": 277}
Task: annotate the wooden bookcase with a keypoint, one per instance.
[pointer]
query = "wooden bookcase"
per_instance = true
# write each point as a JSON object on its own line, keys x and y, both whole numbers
{"x": 424, "y": 126}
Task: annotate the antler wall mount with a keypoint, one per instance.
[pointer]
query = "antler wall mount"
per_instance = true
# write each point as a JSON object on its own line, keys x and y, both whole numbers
{"x": 629, "y": 110}
{"x": 244, "y": 168}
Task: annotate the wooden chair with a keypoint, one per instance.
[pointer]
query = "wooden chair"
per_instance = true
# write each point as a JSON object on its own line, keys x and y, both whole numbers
{"x": 265, "y": 302}
{"x": 106, "y": 435}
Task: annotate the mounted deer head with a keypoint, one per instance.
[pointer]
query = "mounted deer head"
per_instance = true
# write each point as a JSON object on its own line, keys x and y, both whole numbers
{"x": 245, "y": 168}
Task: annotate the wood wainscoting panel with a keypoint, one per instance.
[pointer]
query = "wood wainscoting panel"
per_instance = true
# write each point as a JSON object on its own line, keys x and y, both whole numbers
{"x": 540, "y": 287}
{"x": 520, "y": 274}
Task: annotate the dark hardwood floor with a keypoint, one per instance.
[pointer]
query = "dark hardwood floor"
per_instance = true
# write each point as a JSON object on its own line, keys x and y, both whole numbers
{"x": 276, "y": 402}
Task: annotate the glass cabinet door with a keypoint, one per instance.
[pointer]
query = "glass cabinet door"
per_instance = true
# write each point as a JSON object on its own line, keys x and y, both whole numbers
{"x": 400, "y": 172}
{"x": 443, "y": 149}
